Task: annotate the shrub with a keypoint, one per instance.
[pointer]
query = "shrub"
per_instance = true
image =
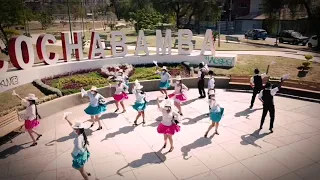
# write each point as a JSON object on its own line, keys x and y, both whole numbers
{"x": 46, "y": 89}
{"x": 308, "y": 57}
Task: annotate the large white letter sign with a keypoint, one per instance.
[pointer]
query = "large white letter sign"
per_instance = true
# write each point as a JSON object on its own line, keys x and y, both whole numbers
{"x": 42, "y": 49}
{"x": 3, "y": 64}
{"x": 141, "y": 44}
{"x": 163, "y": 43}
{"x": 121, "y": 43}
{"x": 96, "y": 46}
{"x": 184, "y": 38}
{"x": 205, "y": 45}
{"x": 21, "y": 52}
{"x": 67, "y": 46}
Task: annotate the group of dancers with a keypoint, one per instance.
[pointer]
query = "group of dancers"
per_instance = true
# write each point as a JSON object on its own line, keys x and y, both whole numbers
{"x": 169, "y": 124}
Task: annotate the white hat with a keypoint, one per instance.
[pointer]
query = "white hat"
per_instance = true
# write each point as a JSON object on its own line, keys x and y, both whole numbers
{"x": 164, "y": 68}
{"x": 167, "y": 103}
{"x": 211, "y": 92}
{"x": 120, "y": 70}
{"x": 178, "y": 78}
{"x": 31, "y": 97}
{"x": 77, "y": 125}
{"x": 93, "y": 88}
{"x": 118, "y": 78}
{"x": 137, "y": 85}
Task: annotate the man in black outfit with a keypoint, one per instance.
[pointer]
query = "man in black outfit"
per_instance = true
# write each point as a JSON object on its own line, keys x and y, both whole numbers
{"x": 256, "y": 84}
{"x": 201, "y": 75}
{"x": 266, "y": 96}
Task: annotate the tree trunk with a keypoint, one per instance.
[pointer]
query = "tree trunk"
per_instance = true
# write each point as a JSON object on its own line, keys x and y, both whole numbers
{"x": 4, "y": 35}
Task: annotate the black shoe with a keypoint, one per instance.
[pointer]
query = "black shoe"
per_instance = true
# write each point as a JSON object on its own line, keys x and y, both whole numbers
{"x": 166, "y": 97}
{"x": 260, "y": 128}
{"x": 39, "y": 137}
{"x": 164, "y": 146}
{"x": 33, "y": 144}
{"x": 116, "y": 110}
{"x": 271, "y": 131}
{"x": 135, "y": 123}
{"x": 171, "y": 149}
{"x": 217, "y": 133}
{"x": 143, "y": 122}
{"x": 91, "y": 125}
{"x": 206, "y": 135}
{"x": 251, "y": 107}
{"x": 99, "y": 128}
{"x": 88, "y": 174}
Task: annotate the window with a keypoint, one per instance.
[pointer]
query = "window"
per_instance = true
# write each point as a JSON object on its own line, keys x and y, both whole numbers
{"x": 243, "y": 5}
{"x": 314, "y": 38}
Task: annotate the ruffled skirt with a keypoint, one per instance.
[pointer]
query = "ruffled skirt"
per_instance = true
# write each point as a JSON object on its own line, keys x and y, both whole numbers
{"x": 120, "y": 97}
{"x": 164, "y": 85}
{"x": 138, "y": 106}
{"x": 216, "y": 116}
{"x": 30, "y": 124}
{"x": 178, "y": 97}
{"x": 80, "y": 160}
{"x": 92, "y": 111}
{"x": 162, "y": 129}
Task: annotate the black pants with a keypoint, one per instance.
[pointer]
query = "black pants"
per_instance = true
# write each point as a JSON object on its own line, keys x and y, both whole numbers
{"x": 202, "y": 92}
{"x": 255, "y": 92}
{"x": 266, "y": 109}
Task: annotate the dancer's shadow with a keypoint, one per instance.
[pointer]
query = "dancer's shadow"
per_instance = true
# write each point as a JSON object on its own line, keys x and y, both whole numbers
{"x": 72, "y": 135}
{"x": 190, "y": 101}
{"x": 123, "y": 130}
{"x": 246, "y": 112}
{"x": 252, "y": 138}
{"x": 201, "y": 142}
{"x": 147, "y": 158}
{"x": 12, "y": 150}
{"x": 152, "y": 102}
{"x": 109, "y": 115}
{"x": 194, "y": 120}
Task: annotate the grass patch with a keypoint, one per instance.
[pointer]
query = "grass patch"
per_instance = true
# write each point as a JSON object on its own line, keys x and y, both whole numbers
{"x": 7, "y": 101}
{"x": 73, "y": 83}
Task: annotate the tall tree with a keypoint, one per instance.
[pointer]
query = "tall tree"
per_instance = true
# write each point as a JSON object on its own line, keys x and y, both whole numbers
{"x": 11, "y": 14}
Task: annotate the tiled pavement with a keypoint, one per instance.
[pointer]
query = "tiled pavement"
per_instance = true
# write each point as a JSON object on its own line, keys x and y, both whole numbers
{"x": 122, "y": 152}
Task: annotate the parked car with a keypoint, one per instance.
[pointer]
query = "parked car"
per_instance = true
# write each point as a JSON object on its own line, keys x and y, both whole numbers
{"x": 292, "y": 37}
{"x": 313, "y": 41}
{"x": 256, "y": 34}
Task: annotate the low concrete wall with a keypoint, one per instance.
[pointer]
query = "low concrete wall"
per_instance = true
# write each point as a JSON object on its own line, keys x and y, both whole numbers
{"x": 60, "y": 104}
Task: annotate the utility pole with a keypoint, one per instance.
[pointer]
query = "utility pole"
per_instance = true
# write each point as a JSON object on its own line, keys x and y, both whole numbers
{"x": 230, "y": 15}
{"x": 82, "y": 14}
{"x": 70, "y": 25}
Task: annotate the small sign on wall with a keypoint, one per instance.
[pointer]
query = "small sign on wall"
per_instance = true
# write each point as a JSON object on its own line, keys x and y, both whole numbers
{"x": 220, "y": 61}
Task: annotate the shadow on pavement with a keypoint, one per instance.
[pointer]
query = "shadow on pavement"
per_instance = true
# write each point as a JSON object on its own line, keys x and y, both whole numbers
{"x": 123, "y": 130}
{"x": 109, "y": 115}
{"x": 195, "y": 120}
{"x": 201, "y": 142}
{"x": 147, "y": 158}
{"x": 251, "y": 138}
{"x": 72, "y": 135}
{"x": 189, "y": 101}
{"x": 13, "y": 150}
{"x": 246, "y": 112}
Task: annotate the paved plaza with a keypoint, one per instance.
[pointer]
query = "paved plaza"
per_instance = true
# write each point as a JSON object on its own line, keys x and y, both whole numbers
{"x": 123, "y": 152}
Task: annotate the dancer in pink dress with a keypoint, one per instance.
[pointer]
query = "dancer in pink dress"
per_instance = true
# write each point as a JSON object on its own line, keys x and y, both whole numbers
{"x": 120, "y": 94}
{"x": 178, "y": 93}
{"x": 168, "y": 126}
{"x": 31, "y": 116}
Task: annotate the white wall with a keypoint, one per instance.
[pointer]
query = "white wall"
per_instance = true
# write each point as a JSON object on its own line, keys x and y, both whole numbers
{"x": 20, "y": 77}
{"x": 255, "y": 6}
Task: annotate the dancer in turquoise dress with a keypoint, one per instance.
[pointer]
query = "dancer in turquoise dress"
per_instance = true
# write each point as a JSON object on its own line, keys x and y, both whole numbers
{"x": 165, "y": 81}
{"x": 141, "y": 103}
{"x": 216, "y": 113}
{"x": 80, "y": 153}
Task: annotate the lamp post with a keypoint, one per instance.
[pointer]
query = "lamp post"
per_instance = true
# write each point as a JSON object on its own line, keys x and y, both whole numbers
{"x": 222, "y": 11}
{"x": 70, "y": 26}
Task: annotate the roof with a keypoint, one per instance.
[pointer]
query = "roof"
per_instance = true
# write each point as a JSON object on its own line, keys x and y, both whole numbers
{"x": 253, "y": 16}
{"x": 285, "y": 15}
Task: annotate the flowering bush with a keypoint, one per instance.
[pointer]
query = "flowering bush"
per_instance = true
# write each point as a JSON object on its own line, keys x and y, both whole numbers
{"x": 112, "y": 70}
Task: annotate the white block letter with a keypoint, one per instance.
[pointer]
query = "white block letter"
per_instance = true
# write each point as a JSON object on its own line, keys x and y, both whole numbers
{"x": 163, "y": 43}
{"x": 207, "y": 39}
{"x": 21, "y": 52}
{"x": 184, "y": 38}
{"x": 42, "y": 49}
{"x": 141, "y": 44}
{"x": 121, "y": 43}
{"x": 67, "y": 46}
{"x": 96, "y": 46}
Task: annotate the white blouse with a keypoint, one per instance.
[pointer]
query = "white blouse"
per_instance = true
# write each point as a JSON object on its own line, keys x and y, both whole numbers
{"x": 211, "y": 83}
{"x": 215, "y": 107}
{"x": 178, "y": 90}
{"x": 164, "y": 76}
{"x": 167, "y": 117}
{"x": 120, "y": 88}
{"x": 30, "y": 113}
{"x": 94, "y": 99}
{"x": 78, "y": 145}
{"x": 139, "y": 97}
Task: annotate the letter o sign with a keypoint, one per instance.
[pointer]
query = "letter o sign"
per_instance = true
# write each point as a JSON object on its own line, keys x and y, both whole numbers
{"x": 21, "y": 52}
